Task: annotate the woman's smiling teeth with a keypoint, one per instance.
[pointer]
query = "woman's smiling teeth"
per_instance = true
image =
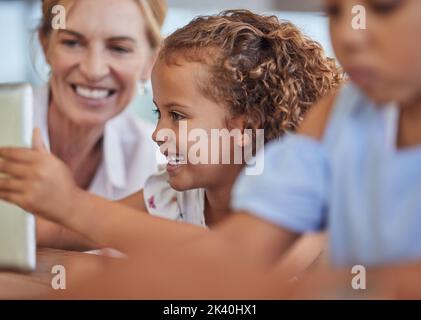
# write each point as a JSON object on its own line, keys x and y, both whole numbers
{"x": 96, "y": 94}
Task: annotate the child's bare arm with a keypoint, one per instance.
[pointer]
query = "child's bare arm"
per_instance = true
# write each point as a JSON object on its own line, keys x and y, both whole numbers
{"x": 135, "y": 201}
{"x": 308, "y": 253}
{"x": 232, "y": 261}
{"x": 53, "y": 235}
{"x": 114, "y": 225}
{"x": 111, "y": 224}
{"x": 40, "y": 183}
{"x": 237, "y": 256}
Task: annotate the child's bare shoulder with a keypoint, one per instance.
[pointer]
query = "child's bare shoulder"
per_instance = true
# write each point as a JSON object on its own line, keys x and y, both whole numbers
{"x": 315, "y": 122}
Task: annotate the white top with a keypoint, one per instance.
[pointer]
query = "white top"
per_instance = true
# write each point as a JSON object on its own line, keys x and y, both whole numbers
{"x": 129, "y": 151}
{"x": 163, "y": 201}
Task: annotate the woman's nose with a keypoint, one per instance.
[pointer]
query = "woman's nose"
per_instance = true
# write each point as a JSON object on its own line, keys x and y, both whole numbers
{"x": 94, "y": 65}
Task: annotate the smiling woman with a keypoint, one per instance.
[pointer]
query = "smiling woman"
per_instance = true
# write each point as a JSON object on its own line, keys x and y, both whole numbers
{"x": 96, "y": 64}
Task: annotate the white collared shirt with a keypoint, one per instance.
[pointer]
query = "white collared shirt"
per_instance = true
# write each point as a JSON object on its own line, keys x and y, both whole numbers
{"x": 129, "y": 153}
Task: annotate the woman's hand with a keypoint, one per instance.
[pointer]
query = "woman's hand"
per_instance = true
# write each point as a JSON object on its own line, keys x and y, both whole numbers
{"x": 36, "y": 180}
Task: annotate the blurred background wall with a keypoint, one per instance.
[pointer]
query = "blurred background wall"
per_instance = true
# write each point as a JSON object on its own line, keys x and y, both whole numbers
{"x": 21, "y": 59}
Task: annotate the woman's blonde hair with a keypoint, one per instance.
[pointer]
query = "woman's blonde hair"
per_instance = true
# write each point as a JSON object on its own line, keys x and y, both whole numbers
{"x": 154, "y": 12}
{"x": 259, "y": 66}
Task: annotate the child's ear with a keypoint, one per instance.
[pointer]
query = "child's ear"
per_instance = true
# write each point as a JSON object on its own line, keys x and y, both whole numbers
{"x": 239, "y": 122}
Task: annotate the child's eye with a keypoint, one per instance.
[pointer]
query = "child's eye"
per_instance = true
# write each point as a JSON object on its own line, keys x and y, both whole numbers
{"x": 157, "y": 112}
{"x": 384, "y": 6}
{"x": 332, "y": 10}
{"x": 70, "y": 43}
{"x": 176, "y": 116}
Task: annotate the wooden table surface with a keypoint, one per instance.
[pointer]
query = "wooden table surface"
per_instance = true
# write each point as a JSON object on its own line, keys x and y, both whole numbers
{"x": 38, "y": 284}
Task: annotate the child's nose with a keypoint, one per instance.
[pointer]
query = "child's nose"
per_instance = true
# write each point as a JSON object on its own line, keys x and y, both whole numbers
{"x": 159, "y": 139}
{"x": 352, "y": 33}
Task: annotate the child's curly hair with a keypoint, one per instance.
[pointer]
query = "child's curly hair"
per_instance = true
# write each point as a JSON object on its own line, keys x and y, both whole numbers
{"x": 259, "y": 66}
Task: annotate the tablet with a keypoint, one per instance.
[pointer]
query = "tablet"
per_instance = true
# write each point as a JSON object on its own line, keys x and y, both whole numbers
{"x": 17, "y": 227}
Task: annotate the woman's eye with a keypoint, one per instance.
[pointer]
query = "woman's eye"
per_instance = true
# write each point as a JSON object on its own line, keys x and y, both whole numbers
{"x": 157, "y": 112}
{"x": 176, "y": 116}
{"x": 120, "y": 49}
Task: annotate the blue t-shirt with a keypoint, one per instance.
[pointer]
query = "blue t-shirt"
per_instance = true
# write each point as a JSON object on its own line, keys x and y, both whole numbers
{"x": 354, "y": 182}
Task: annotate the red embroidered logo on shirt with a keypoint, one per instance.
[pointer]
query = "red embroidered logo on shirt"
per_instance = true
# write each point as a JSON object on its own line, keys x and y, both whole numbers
{"x": 151, "y": 202}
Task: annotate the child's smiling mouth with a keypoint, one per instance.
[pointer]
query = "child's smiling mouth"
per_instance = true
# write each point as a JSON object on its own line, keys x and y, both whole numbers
{"x": 174, "y": 163}
{"x": 175, "y": 159}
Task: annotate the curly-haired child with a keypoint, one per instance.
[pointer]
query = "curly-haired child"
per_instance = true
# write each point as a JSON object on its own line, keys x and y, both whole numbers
{"x": 233, "y": 71}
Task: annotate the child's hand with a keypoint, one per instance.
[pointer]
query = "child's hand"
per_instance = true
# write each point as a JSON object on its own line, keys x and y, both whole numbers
{"x": 35, "y": 180}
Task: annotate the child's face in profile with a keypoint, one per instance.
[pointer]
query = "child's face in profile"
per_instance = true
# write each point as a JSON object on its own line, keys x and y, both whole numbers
{"x": 180, "y": 104}
{"x": 384, "y": 60}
